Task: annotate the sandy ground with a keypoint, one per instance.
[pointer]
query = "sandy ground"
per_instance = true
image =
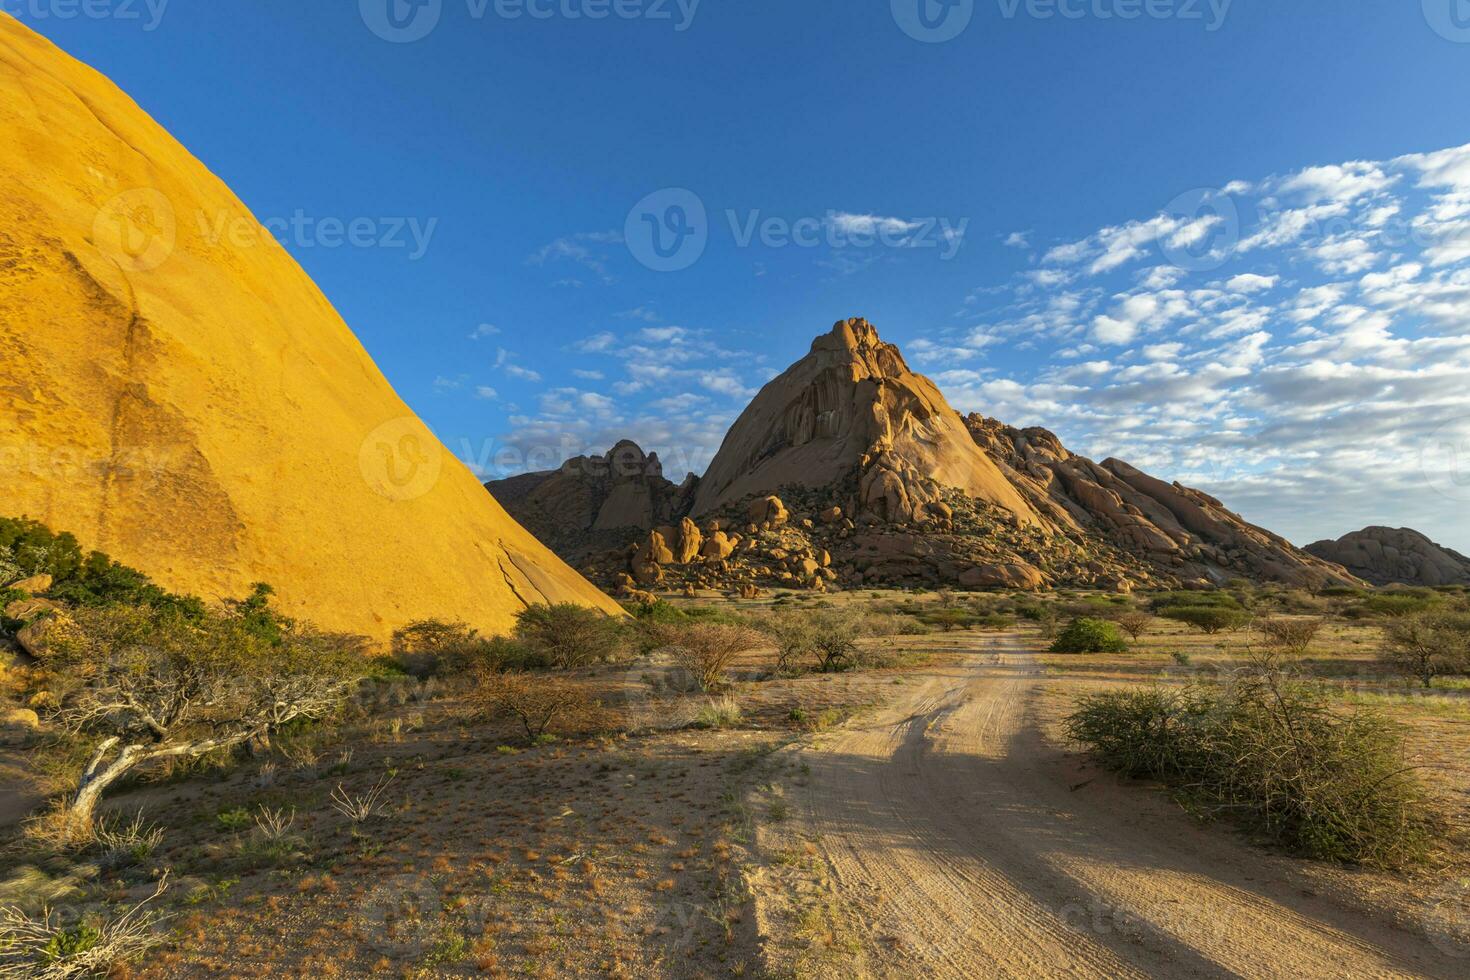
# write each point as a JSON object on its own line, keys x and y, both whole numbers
{"x": 947, "y": 836}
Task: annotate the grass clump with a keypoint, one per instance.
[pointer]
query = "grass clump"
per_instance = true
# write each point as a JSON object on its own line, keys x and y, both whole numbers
{"x": 1089, "y": 636}
{"x": 724, "y": 712}
{"x": 1268, "y": 751}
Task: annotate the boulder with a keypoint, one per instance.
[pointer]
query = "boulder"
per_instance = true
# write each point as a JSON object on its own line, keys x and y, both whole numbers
{"x": 647, "y": 572}
{"x": 18, "y": 724}
{"x": 690, "y": 542}
{"x": 35, "y": 585}
{"x": 26, "y": 610}
{"x": 653, "y": 549}
{"x": 831, "y": 515}
{"x": 768, "y": 512}
{"x": 719, "y": 546}
{"x": 1013, "y": 575}
{"x": 39, "y": 635}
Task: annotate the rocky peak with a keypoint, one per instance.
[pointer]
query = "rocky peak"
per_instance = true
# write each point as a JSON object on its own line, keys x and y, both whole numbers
{"x": 1388, "y": 555}
{"x": 627, "y": 461}
{"x": 851, "y": 417}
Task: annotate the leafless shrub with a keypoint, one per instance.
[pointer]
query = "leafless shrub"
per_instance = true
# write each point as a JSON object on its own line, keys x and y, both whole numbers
{"x": 1290, "y": 635}
{"x": 127, "y": 842}
{"x": 274, "y": 825}
{"x": 45, "y": 947}
{"x": 706, "y": 650}
{"x": 360, "y": 809}
{"x": 538, "y": 702}
{"x": 1134, "y": 623}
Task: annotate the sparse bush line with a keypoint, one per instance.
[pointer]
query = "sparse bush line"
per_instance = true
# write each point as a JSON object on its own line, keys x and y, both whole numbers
{"x": 1269, "y": 751}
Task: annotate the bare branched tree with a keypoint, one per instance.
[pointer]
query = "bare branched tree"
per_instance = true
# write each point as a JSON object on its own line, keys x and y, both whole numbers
{"x": 150, "y": 685}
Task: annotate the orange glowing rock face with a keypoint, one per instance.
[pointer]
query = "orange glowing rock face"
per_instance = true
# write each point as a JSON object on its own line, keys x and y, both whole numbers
{"x": 190, "y": 402}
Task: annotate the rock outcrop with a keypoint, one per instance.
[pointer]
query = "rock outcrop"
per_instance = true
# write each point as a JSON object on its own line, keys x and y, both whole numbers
{"x": 592, "y": 503}
{"x": 1177, "y": 532}
{"x": 1388, "y": 556}
{"x": 850, "y": 469}
{"x": 189, "y": 402}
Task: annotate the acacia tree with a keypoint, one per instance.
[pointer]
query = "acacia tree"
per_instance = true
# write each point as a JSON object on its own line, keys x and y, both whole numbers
{"x": 150, "y": 684}
{"x": 1429, "y": 645}
{"x": 1135, "y": 623}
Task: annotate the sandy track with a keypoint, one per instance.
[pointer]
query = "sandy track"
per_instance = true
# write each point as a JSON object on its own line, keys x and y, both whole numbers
{"x": 962, "y": 844}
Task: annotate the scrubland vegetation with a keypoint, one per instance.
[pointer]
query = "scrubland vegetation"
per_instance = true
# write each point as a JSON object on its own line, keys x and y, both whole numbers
{"x": 569, "y": 799}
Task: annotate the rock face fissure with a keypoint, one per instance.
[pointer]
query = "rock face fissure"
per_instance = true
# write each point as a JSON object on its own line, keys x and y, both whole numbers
{"x": 191, "y": 403}
{"x": 1388, "y": 556}
{"x": 850, "y": 469}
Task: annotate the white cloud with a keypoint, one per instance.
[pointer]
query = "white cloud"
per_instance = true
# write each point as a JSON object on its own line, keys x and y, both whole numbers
{"x": 486, "y": 393}
{"x": 1337, "y": 183}
{"x": 1163, "y": 352}
{"x": 521, "y": 373}
{"x": 870, "y": 224}
{"x": 1250, "y": 282}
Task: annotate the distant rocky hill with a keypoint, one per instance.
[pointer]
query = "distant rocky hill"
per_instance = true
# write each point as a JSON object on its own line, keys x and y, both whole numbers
{"x": 850, "y": 469}
{"x": 591, "y": 503}
{"x": 190, "y": 402}
{"x": 1386, "y": 555}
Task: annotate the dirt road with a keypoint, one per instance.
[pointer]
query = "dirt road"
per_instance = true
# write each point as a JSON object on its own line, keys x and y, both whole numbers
{"x": 957, "y": 842}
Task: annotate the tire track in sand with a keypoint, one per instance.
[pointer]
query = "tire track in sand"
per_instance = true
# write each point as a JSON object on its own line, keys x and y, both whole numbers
{"x": 948, "y": 829}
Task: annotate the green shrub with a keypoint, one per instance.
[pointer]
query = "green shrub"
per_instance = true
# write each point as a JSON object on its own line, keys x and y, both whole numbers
{"x": 80, "y": 578}
{"x": 1208, "y": 619}
{"x": 1089, "y": 636}
{"x": 1169, "y": 600}
{"x": 433, "y": 648}
{"x": 824, "y": 640}
{"x": 1391, "y": 605}
{"x": 1273, "y": 754}
{"x": 569, "y": 636}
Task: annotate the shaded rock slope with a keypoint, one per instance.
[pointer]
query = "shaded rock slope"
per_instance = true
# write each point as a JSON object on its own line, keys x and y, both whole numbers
{"x": 1388, "y": 556}
{"x": 591, "y": 503}
{"x": 849, "y": 469}
{"x": 192, "y": 404}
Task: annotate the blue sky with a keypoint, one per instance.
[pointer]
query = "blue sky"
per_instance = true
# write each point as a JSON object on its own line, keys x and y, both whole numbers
{"x": 1211, "y": 238}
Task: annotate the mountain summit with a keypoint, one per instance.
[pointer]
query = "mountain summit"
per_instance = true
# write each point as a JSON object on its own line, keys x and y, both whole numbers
{"x": 192, "y": 404}
{"x": 852, "y": 410}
